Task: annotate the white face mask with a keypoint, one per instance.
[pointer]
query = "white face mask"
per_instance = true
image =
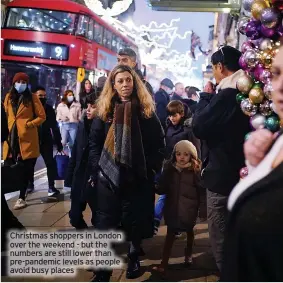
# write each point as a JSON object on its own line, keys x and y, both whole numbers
{"x": 20, "y": 87}
{"x": 70, "y": 98}
{"x": 169, "y": 91}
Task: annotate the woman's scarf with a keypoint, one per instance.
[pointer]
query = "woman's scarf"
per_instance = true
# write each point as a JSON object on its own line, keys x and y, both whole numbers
{"x": 123, "y": 145}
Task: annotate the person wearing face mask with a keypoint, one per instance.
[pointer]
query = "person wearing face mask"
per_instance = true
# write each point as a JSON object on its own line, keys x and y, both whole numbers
{"x": 162, "y": 98}
{"x": 48, "y": 132}
{"x": 69, "y": 114}
{"x": 86, "y": 89}
{"x": 25, "y": 114}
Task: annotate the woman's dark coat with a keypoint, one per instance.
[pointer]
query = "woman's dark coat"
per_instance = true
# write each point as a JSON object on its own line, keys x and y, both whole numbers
{"x": 182, "y": 191}
{"x": 133, "y": 207}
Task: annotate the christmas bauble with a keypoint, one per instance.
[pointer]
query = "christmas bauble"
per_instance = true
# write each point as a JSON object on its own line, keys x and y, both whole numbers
{"x": 244, "y": 84}
{"x": 248, "y": 108}
{"x": 258, "y": 85}
{"x": 257, "y": 121}
{"x": 240, "y": 97}
{"x": 242, "y": 24}
{"x": 252, "y": 58}
{"x": 247, "y": 45}
{"x": 266, "y": 44}
{"x": 265, "y": 76}
{"x": 257, "y": 7}
{"x": 243, "y": 63}
{"x": 257, "y": 71}
{"x": 253, "y": 29}
{"x": 247, "y": 5}
{"x": 266, "y": 59}
{"x": 267, "y": 90}
{"x": 270, "y": 17}
{"x": 256, "y": 95}
{"x": 244, "y": 172}
{"x": 268, "y": 32}
{"x": 272, "y": 123}
{"x": 265, "y": 109}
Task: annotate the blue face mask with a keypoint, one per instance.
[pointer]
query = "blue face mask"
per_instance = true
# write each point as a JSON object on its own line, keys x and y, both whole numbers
{"x": 20, "y": 87}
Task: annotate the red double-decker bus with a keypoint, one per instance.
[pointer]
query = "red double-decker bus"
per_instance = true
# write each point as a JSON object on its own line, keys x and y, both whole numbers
{"x": 52, "y": 41}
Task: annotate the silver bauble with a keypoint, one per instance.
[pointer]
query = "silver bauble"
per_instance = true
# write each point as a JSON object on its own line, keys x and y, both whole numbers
{"x": 248, "y": 108}
{"x": 265, "y": 109}
{"x": 257, "y": 121}
{"x": 252, "y": 58}
{"x": 245, "y": 83}
{"x": 242, "y": 24}
{"x": 268, "y": 90}
{"x": 247, "y": 5}
{"x": 266, "y": 44}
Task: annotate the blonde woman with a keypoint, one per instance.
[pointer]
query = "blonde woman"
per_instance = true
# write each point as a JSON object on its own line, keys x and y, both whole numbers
{"x": 126, "y": 149}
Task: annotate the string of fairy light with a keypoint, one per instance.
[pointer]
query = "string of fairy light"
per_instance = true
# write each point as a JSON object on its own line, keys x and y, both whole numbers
{"x": 148, "y": 36}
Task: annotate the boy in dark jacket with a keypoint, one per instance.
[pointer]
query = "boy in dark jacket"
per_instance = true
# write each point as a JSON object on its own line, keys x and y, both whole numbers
{"x": 48, "y": 132}
{"x": 77, "y": 173}
{"x": 179, "y": 127}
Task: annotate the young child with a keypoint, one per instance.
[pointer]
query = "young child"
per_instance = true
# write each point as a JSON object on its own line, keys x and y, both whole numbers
{"x": 179, "y": 128}
{"x": 179, "y": 181}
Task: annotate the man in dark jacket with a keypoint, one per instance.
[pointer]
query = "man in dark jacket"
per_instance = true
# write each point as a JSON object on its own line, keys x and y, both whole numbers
{"x": 48, "y": 132}
{"x": 192, "y": 98}
{"x": 77, "y": 173}
{"x": 128, "y": 57}
{"x": 219, "y": 121}
{"x": 178, "y": 93}
{"x": 162, "y": 98}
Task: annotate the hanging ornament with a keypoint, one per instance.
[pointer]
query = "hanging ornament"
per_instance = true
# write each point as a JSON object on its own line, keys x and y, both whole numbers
{"x": 257, "y": 7}
{"x": 247, "y": 45}
{"x": 248, "y": 108}
{"x": 244, "y": 172}
{"x": 240, "y": 97}
{"x": 242, "y": 24}
{"x": 244, "y": 84}
{"x": 257, "y": 121}
{"x": 243, "y": 63}
{"x": 253, "y": 30}
{"x": 272, "y": 123}
{"x": 257, "y": 71}
{"x": 268, "y": 32}
{"x": 265, "y": 76}
{"x": 252, "y": 58}
{"x": 256, "y": 95}
{"x": 266, "y": 59}
{"x": 270, "y": 17}
{"x": 266, "y": 44}
{"x": 247, "y": 5}
{"x": 267, "y": 90}
{"x": 265, "y": 109}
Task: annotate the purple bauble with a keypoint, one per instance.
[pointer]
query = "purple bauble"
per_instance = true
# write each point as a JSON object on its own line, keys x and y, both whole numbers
{"x": 258, "y": 71}
{"x": 270, "y": 17}
{"x": 253, "y": 30}
{"x": 265, "y": 76}
{"x": 268, "y": 32}
{"x": 243, "y": 63}
{"x": 247, "y": 45}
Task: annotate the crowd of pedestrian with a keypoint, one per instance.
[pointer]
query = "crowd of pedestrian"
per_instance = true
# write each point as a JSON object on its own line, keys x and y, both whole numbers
{"x": 127, "y": 144}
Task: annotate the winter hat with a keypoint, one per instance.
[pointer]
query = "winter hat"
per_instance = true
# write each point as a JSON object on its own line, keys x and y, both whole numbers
{"x": 186, "y": 146}
{"x": 21, "y": 76}
{"x": 167, "y": 82}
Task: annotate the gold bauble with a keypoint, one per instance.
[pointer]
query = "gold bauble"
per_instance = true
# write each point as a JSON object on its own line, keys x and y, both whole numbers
{"x": 266, "y": 59}
{"x": 257, "y": 7}
{"x": 245, "y": 83}
{"x": 256, "y": 95}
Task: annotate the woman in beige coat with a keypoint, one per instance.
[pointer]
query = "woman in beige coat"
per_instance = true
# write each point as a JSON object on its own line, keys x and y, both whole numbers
{"x": 25, "y": 114}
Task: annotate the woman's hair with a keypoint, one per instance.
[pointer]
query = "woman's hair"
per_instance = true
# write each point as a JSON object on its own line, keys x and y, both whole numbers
{"x": 228, "y": 56}
{"x": 196, "y": 163}
{"x": 64, "y": 98}
{"x": 14, "y": 96}
{"x": 83, "y": 91}
{"x": 109, "y": 95}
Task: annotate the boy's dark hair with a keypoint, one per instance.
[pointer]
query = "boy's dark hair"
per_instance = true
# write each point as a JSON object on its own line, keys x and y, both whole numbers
{"x": 91, "y": 98}
{"x": 175, "y": 107}
{"x": 191, "y": 90}
{"x": 39, "y": 88}
{"x": 228, "y": 56}
{"x": 128, "y": 52}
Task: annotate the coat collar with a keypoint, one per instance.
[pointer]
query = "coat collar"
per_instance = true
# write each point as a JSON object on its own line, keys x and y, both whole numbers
{"x": 230, "y": 81}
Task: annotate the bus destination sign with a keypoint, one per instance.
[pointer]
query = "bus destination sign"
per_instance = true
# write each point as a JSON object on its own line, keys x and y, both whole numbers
{"x": 36, "y": 49}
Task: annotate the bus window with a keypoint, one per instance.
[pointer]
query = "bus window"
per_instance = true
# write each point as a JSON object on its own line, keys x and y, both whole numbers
{"x": 98, "y": 33}
{"x": 90, "y": 30}
{"x": 114, "y": 43}
{"x": 119, "y": 43}
{"x": 107, "y": 39}
{"x": 40, "y": 20}
{"x": 82, "y": 28}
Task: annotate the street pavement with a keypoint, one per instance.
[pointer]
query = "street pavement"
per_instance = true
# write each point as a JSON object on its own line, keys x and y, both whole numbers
{"x": 43, "y": 214}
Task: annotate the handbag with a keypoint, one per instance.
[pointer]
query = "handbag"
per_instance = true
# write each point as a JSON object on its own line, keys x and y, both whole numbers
{"x": 62, "y": 161}
{"x": 13, "y": 176}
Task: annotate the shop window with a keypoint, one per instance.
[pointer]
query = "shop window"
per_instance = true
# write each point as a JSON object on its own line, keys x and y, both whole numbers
{"x": 40, "y": 20}
{"x": 82, "y": 28}
{"x": 98, "y": 33}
